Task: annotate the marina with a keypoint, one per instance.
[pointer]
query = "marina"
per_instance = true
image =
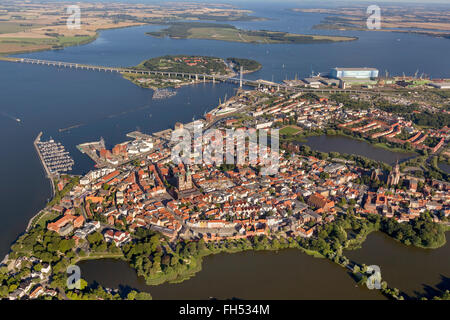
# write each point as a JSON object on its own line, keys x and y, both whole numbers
{"x": 163, "y": 94}
{"x": 54, "y": 156}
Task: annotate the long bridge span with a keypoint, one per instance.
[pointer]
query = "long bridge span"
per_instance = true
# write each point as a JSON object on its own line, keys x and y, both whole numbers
{"x": 81, "y": 66}
{"x": 197, "y": 77}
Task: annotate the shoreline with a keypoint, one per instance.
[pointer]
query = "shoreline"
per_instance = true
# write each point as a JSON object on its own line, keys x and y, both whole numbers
{"x": 48, "y": 176}
{"x": 53, "y": 191}
{"x": 197, "y": 264}
{"x": 47, "y": 172}
{"x": 67, "y": 45}
{"x": 381, "y": 146}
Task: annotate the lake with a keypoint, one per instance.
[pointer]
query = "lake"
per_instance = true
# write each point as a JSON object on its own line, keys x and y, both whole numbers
{"x": 413, "y": 270}
{"x": 291, "y": 274}
{"x": 287, "y": 274}
{"x": 444, "y": 167}
{"x": 348, "y": 145}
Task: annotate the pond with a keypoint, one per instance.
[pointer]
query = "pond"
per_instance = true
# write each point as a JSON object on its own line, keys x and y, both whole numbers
{"x": 347, "y": 145}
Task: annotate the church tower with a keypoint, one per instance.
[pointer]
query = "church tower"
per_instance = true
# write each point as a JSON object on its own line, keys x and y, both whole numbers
{"x": 394, "y": 176}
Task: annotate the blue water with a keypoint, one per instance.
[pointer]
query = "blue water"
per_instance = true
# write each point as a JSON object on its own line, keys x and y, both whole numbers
{"x": 48, "y": 99}
{"x": 397, "y": 53}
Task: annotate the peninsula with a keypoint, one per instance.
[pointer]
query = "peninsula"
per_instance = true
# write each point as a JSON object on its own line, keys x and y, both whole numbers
{"x": 227, "y": 32}
{"x": 37, "y": 26}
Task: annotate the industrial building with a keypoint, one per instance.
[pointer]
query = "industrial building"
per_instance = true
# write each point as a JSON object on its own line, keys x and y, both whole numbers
{"x": 441, "y": 85}
{"x": 354, "y": 73}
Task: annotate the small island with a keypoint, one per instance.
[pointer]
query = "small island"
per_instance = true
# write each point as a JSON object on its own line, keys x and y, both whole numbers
{"x": 184, "y": 64}
{"x": 227, "y": 32}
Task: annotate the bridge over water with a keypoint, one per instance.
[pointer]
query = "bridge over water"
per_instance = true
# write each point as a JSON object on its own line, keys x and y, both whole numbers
{"x": 198, "y": 77}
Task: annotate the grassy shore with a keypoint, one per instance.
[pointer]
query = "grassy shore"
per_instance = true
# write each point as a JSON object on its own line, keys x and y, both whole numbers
{"x": 386, "y": 147}
{"x": 26, "y": 45}
{"x": 99, "y": 256}
{"x": 224, "y": 32}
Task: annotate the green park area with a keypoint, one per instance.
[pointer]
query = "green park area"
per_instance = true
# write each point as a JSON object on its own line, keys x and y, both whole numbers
{"x": 186, "y": 64}
{"x": 290, "y": 130}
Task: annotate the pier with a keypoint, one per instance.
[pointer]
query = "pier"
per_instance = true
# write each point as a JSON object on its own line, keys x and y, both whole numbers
{"x": 53, "y": 156}
{"x": 35, "y": 143}
{"x": 90, "y": 149}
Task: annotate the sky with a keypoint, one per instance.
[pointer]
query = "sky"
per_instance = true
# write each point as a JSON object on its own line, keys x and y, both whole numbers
{"x": 316, "y": 1}
{"x": 262, "y": 1}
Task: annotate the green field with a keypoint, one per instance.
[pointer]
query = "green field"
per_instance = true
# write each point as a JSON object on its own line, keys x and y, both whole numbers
{"x": 225, "y": 32}
{"x": 17, "y": 45}
{"x": 12, "y": 27}
{"x": 45, "y": 218}
{"x": 289, "y": 131}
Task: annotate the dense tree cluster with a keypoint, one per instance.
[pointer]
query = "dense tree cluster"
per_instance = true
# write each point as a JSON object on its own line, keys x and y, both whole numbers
{"x": 247, "y": 64}
{"x": 43, "y": 244}
{"x": 150, "y": 255}
{"x": 421, "y": 232}
{"x": 348, "y": 102}
{"x": 444, "y": 296}
{"x": 423, "y": 118}
{"x": 173, "y": 64}
{"x": 60, "y": 194}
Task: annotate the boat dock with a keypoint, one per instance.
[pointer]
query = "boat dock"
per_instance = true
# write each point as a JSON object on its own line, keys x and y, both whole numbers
{"x": 35, "y": 143}
{"x": 91, "y": 149}
{"x": 163, "y": 94}
{"x": 53, "y": 156}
